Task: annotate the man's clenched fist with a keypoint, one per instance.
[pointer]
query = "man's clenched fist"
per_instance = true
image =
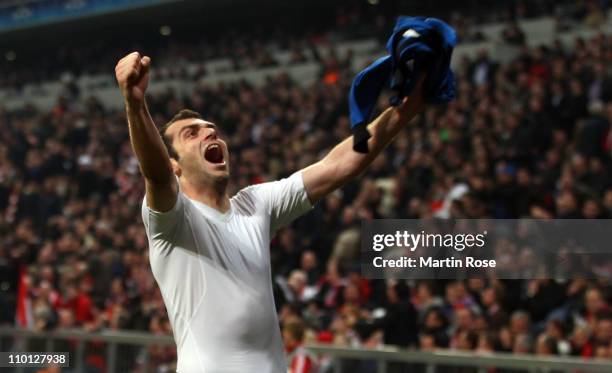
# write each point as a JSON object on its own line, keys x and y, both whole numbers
{"x": 132, "y": 73}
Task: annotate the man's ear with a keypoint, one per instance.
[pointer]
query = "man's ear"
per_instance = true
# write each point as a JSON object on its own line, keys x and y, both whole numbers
{"x": 175, "y": 167}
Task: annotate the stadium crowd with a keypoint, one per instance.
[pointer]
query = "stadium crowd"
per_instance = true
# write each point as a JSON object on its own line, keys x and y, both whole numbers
{"x": 523, "y": 139}
{"x": 255, "y": 46}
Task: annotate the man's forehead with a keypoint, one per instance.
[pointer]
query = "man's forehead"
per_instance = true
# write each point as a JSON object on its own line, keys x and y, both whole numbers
{"x": 181, "y": 123}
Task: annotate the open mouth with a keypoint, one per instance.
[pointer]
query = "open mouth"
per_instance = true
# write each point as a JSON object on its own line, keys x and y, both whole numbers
{"x": 214, "y": 154}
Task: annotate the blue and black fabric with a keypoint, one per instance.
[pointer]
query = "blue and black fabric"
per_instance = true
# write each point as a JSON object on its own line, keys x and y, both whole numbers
{"x": 417, "y": 46}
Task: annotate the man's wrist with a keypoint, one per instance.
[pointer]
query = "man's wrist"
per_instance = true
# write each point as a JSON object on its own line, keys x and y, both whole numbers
{"x": 134, "y": 106}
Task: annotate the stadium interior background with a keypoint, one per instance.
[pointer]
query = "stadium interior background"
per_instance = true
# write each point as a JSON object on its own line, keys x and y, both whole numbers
{"x": 526, "y": 137}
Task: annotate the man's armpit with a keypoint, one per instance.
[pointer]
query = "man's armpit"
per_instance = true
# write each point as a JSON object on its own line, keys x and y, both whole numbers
{"x": 161, "y": 198}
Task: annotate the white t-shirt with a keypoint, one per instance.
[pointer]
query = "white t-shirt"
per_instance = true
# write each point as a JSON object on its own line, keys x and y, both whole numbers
{"x": 213, "y": 270}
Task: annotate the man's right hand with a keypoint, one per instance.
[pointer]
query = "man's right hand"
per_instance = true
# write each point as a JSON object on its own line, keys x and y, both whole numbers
{"x": 132, "y": 73}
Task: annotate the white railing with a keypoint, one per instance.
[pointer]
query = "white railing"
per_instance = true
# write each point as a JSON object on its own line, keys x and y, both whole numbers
{"x": 15, "y": 340}
{"x": 483, "y": 362}
{"x": 20, "y": 340}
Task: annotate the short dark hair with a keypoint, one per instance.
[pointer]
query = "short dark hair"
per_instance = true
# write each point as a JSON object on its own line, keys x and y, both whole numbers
{"x": 183, "y": 114}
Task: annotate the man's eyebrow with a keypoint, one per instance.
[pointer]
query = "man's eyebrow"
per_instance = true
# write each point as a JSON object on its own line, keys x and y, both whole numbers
{"x": 188, "y": 127}
{"x": 196, "y": 125}
{"x": 191, "y": 126}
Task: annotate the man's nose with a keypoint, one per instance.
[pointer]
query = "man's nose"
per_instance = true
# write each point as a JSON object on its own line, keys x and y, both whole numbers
{"x": 210, "y": 134}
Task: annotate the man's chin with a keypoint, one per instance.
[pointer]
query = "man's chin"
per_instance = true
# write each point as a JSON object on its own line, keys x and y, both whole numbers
{"x": 216, "y": 171}
{"x": 220, "y": 174}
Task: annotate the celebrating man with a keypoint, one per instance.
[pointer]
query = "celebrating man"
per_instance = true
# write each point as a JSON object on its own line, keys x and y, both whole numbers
{"x": 209, "y": 253}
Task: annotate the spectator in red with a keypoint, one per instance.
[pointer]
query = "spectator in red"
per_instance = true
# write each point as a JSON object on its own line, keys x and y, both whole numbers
{"x": 300, "y": 360}
{"x": 331, "y": 286}
{"x": 80, "y": 302}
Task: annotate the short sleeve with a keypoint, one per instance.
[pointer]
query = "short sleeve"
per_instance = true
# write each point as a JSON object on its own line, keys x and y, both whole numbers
{"x": 285, "y": 199}
{"x": 171, "y": 255}
{"x": 163, "y": 224}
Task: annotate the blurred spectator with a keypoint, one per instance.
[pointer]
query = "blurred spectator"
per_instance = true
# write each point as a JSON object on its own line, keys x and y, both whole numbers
{"x": 513, "y": 35}
{"x": 300, "y": 360}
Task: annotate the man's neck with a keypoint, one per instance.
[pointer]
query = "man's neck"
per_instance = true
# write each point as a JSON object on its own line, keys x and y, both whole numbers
{"x": 213, "y": 195}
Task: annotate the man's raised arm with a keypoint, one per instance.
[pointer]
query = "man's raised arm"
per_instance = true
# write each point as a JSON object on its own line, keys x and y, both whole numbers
{"x": 343, "y": 164}
{"x": 132, "y": 73}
